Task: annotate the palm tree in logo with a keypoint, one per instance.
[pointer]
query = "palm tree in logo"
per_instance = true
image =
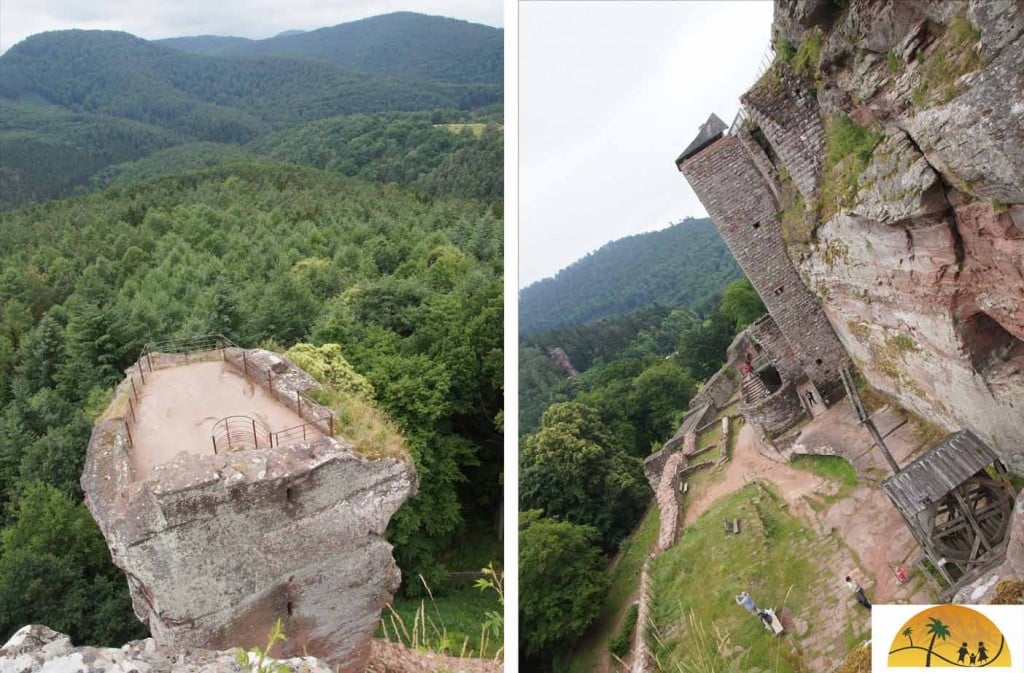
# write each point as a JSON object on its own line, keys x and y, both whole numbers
{"x": 938, "y": 630}
{"x": 906, "y": 634}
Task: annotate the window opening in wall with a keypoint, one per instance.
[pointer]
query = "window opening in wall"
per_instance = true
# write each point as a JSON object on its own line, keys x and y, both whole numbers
{"x": 770, "y": 377}
{"x": 757, "y": 225}
{"x": 818, "y": 362}
{"x": 288, "y": 494}
{"x": 778, "y": 291}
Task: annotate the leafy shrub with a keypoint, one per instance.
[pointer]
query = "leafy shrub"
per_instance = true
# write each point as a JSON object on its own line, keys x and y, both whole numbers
{"x": 622, "y": 641}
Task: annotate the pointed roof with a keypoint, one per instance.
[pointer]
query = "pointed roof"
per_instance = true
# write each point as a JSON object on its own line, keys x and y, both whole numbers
{"x": 710, "y": 131}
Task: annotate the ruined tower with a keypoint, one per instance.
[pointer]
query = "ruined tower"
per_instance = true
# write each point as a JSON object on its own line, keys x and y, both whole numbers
{"x": 230, "y": 500}
{"x": 736, "y": 181}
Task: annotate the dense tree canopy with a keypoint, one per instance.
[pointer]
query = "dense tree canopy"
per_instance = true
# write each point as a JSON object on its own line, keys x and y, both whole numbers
{"x": 570, "y": 470}
{"x": 410, "y": 289}
{"x": 562, "y": 582}
{"x": 741, "y": 302}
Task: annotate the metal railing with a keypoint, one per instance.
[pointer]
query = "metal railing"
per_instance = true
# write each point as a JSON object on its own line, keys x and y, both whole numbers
{"x": 233, "y": 432}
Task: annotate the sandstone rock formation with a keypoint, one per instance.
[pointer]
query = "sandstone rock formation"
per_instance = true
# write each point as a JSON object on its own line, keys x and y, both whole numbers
{"x": 38, "y": 648}
{"x": 217, "y": 547}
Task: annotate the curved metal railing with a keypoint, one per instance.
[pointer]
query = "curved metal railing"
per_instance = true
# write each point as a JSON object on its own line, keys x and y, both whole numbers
{"x": 235, "y": 433}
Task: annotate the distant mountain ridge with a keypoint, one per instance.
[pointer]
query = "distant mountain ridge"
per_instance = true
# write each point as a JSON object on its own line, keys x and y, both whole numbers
{"x": 685, "y": 264}
{"x": 402, "y": 44}
{"x": 74, "y": 102}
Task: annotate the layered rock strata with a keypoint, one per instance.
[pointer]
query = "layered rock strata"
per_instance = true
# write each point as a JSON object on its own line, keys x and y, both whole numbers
{"x": 216, "y": 548}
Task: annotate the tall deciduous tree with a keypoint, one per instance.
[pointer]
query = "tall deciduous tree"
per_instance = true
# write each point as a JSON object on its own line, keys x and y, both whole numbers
{"x": 571, "y": 471}
{"x": 562, "y": 582}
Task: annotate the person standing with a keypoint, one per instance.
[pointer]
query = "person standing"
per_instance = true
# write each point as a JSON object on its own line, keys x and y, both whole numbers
{"x": 962, "y": 652}
{"x": 982, "y": 654}
{"x": 858, "y": 592}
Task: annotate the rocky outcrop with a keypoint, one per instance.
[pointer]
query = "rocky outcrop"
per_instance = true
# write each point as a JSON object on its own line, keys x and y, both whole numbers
{"x": 37, "y": 648}
{"x": 216, "y": 548}
{"x": 560, "y": 358}
{"x": 921, "y": 273}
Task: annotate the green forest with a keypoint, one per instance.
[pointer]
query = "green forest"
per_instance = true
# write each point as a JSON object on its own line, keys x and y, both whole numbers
{"x": 582, "y": 444}
{"x": 685, "y": 264}
{"x": 211, "y": 197}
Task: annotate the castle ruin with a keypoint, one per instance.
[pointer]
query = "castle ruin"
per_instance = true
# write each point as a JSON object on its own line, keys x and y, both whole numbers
{"x": 228, "y": 499}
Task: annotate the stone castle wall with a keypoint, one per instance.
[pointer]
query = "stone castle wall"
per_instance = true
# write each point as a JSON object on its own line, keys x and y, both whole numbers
{"x": 768, "y": 335}
{"x": 791, "y": 121}
{"x": 718, "y": 390}
{"x": 744, "y": 210}
{"x": 777, "y": 413}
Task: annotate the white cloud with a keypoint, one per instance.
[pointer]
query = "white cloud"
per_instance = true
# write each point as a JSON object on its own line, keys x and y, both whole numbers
{"x": 609, "y": 94}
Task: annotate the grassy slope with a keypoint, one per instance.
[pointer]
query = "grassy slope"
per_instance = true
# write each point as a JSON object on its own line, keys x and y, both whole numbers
{"x": 453, "y": 621}
{"x": 625, "y": 581}
{"x": 700, "y": 576}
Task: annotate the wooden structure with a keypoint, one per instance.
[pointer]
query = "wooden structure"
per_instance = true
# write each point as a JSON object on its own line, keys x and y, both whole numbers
{"x": 958, "y": 510}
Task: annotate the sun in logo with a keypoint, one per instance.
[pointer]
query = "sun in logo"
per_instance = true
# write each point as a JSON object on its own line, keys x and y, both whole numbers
{"x": 950, "y": 636}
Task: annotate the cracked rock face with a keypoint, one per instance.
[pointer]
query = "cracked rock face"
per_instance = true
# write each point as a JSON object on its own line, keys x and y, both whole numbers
{"x": 922, "y": 276}
{"x": 216, "y": 548}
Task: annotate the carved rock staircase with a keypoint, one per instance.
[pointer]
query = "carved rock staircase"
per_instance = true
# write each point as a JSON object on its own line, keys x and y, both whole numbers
{"x": 754, "y": 389}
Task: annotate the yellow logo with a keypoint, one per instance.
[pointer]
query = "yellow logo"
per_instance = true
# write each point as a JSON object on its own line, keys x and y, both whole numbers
{"x": 950, "y": 636}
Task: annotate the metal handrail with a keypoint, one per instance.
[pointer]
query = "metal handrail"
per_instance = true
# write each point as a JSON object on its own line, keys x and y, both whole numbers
{"x": 235, "y": 433}
{"x": 309, "y": 430}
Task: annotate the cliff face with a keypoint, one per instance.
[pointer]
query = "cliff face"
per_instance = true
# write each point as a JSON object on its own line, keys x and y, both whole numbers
{"x": 914, "y": 240}
{"x": 218, "y": 546}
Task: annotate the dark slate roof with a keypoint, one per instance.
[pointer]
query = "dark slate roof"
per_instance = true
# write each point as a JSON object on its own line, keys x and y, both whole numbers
{"x": 710, "y": 130}
{"x": 947, "y": 465}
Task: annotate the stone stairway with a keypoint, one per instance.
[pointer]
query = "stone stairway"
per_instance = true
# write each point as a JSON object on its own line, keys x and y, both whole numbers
{"x": 754, "y": 389}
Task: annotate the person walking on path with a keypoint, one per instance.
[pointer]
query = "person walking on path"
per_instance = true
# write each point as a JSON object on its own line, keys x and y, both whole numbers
{"x": 858, "y": 592}
{"x": 747, "y": 602}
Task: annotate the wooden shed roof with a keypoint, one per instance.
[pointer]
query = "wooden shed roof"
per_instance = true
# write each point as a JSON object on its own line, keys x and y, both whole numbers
{"x": 944, "y": 467}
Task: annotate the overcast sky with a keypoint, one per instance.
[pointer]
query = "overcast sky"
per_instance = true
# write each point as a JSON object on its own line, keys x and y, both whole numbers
{"x": 155, "y": 19}
{"x": 609, "y": 95}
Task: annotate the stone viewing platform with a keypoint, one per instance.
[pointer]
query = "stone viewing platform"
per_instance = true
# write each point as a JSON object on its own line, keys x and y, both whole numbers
{"x": 225, "y": 495}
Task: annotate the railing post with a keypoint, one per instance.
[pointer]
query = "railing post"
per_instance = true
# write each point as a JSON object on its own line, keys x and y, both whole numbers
{"x": 135, "y": 393}
{"x": 138, "y": 364}
{"x": 129, "y": 431}
{"x": 149, "y": 359}
{"x": 270, "y": 380}
{"x": 303, "y": 432}
{"x": 255, "y": 438}
{"x": 330, "y": 422}
{"x": 298, "y": 403}
{"x": 245, "y": 365}
{"x": 214, "y": 440}
{"x": 131, "y": 408}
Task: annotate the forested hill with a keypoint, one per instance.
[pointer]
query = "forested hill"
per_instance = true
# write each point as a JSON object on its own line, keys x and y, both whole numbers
{"x": 684, "y": 265}
{"x": 74, "y": 103}
{"x": 403, "y": 44}
{"x": 206, "y": 98}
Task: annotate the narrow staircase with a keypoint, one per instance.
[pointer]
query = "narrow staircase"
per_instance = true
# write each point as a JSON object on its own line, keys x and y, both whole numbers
{"x": 754, "y": 389}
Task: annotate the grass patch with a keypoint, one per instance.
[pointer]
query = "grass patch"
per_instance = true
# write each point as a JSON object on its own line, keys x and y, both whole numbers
{"x": 711, "y": 436}
{"x": 698, "y": 578}
{"x": 796, "y": 226}
{"x": 476, "y": 129}
{"x": 848, "y": 149}
{"x": 828, "y": 467}
{"x": 621, "y": 643}
{"x": 370, "y": 430}
{"x": 452, "y": 622}
{"x": 625, "y": 576}
{"x": 950, "y": 57}
{"x": 807, "y": 59}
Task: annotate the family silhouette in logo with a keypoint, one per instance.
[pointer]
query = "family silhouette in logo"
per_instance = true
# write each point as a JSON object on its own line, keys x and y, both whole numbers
{"x": 979, "y": 657}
